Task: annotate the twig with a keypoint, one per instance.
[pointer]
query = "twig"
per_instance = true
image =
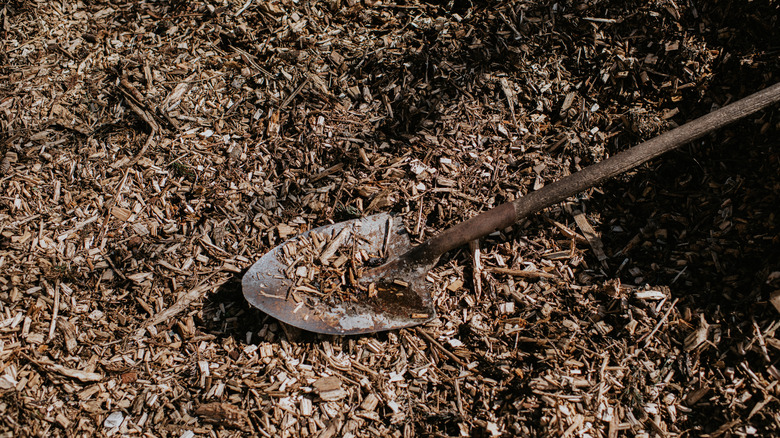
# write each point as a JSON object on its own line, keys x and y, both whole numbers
{"x": 56, "y": 311}
{"x": 113, "y": 266}
{"x": 650, "y": 335}
{"x": 135, "y": 100}
{"x": 329, "y": 171}
{"x": 600, "y": 20}
{"x": 477, "y": 260}
{"x": 292, "y": 95}
{"x": 568, "y": 232}
{"x": 593, "y": 239}
{"x": 761, "y": 341}
{"x": 47, "y": 364}
{"x": 724, "y": 428}
{"x": 436, "y": 343}
{"x": 144, "y": 148}
{"x": 388, "y": 233}
{"x": 458, "y": 400}
{"x": 520, "y": 273}
{"x": 248, "y": 58}
{"x": 109, "y": 205}
{"x": 243, "y": 8}
{"x": 183, "y": 302}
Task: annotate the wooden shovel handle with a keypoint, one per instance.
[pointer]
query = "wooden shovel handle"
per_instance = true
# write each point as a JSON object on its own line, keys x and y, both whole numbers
{"x": 507, "y": 214}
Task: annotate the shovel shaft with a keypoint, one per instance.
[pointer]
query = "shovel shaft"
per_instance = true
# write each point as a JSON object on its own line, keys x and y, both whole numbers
{"x": 507, "y": 214}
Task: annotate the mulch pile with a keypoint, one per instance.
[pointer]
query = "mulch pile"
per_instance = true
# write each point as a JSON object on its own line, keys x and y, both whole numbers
{"x": 150, "y": 152}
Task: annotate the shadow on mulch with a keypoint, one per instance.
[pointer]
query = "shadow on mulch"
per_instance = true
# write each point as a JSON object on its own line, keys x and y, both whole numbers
{"x": 707, "y": 220}
{"x": 227, "y": 314}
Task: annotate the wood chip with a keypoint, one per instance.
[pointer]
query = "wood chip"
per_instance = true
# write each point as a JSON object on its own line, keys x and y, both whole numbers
{"x": 329, "y": 388}
{"x": 593, "y": 239}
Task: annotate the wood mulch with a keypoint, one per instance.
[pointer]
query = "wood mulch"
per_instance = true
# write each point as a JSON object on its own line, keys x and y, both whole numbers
{"x": 150, "y": 152}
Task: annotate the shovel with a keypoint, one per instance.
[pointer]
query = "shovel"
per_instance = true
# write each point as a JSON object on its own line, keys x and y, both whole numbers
{"x": 401, "y": 296}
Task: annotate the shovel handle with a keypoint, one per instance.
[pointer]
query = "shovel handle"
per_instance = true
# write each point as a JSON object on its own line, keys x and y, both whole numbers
{"x": 507, "y": 214}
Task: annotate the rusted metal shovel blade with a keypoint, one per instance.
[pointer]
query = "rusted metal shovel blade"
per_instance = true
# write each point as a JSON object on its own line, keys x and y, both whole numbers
{"x": 395, "y": 306}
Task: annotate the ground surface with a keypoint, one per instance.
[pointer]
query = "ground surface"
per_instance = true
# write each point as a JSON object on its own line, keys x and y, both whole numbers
{"x": 152, "y": 151}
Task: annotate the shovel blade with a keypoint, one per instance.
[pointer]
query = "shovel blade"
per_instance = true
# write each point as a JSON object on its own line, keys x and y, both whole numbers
{"x": 397, "y": 304}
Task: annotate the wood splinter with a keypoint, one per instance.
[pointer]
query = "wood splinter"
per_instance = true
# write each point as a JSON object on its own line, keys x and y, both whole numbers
{"x": 334, "y": 246}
